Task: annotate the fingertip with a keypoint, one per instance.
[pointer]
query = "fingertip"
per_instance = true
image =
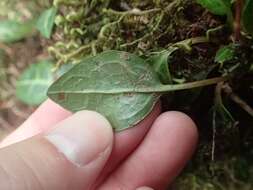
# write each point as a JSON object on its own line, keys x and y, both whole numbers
{"x": 97, "y": 121}
{"x": 144, "y": 188}
{"x": 82, "y": 137}
{"x": 43, "y": 119}
{"x": 95, "y": 116}
{"x": 179, "y": 121}
{"x": 178, "y": 136}
{"x": 161, "y": 156}
{"x": 71, "y": 155}
{"x": 126, "y": 141}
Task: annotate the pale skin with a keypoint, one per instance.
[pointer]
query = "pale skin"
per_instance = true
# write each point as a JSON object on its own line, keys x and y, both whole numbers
{"x": 40, "y": 154}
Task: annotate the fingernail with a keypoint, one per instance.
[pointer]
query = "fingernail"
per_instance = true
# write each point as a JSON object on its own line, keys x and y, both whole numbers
{"x": 83, "y": 137}
{"x": 144, "y": 188}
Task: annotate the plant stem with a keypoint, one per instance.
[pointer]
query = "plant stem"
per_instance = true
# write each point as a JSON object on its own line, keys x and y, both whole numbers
{"x": 185, "y": 86}
{"x": 237, "y": 25}
{"x": 228, "y": 90}
{"x": 136, "y": 12}
{"x": 188, "y": 43}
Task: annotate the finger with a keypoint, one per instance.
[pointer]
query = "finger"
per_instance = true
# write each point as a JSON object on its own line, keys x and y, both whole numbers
{"x": 69, "y": 157}
{"x": 160, "y": 157}
{"x": 144, "y": 188}
{"x": 46, "y": 116}
{"x": 126, "y": 141}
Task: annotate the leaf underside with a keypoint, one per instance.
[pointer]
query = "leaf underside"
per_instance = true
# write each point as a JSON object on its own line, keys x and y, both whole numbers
{"x": 90, "y": 85}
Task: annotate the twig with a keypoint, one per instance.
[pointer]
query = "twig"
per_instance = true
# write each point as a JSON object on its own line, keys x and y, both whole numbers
{"x": 217, "y": 100}
{"x": 4, "y": 124}
{"x": 228, "y": 90}
{"x": 105, "y": 27}
{"x": 15, "y": 110}
{"x": 214, "y": 135}
{"x": 237, "y": 25}
{"x": 135, "y": 11}
{"x": 7, "y": 49}
{"x": 79, "y": 50}
{"x": 65, "y": 58}
{"x": 186, "y": 44}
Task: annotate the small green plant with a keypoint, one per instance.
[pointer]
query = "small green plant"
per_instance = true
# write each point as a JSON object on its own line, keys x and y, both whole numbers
{"x": 225, "y": 54}
{"x": 115, "y": 81}
{"x": 243, "y": 13}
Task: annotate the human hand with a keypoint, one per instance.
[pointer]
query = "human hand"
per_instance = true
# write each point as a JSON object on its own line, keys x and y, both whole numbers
{"x": 54, "y": 150}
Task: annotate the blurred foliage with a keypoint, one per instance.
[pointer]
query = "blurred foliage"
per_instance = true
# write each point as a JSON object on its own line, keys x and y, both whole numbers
{"x": 21, "y": 9}
{"x": 46, "y": 21}
{"x": 31, "y": 88}
{"x": 12, "y": 31}
{"x": 16, "y": 57}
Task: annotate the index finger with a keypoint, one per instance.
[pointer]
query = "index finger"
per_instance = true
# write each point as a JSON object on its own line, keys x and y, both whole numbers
{"x": 44, "y": 118}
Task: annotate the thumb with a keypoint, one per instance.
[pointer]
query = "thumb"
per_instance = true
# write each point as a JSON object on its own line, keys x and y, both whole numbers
{"x": 69, "y": 157}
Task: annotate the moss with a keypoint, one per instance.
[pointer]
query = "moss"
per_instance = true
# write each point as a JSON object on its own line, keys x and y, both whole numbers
{"x": 134, "y": 26}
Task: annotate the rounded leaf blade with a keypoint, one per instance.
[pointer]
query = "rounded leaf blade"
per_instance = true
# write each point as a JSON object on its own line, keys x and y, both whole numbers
{"x": 99, "y": 84}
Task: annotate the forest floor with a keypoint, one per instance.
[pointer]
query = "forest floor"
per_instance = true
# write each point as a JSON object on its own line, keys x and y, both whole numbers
{"x": 224, "y": 156}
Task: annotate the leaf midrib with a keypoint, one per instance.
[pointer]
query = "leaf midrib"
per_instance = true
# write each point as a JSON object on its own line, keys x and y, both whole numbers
{"x": 156, "y": 89}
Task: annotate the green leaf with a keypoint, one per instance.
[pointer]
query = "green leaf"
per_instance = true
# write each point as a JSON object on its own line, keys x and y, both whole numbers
{"x": 32, "y": 85}
{"x": 248, "y": 16}
{"x": 96, "y": 84}
{"x": 119, "y": 85}
{"x": 46, "y": 20}
{"x": 13, "y": 31}
{"x": 218, "y": 7}
{"x": 63, "y": 69}
{"x": 160, "y": 63}
{"x": 224, "y": 54}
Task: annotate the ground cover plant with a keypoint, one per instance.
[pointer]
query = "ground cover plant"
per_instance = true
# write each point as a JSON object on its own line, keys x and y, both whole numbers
{"x": 136, "y": 52}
